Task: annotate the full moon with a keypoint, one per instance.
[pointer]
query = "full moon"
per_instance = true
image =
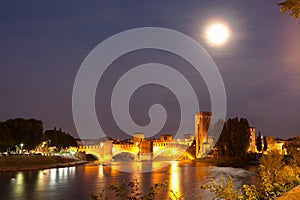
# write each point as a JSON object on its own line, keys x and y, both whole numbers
{"x": 217, "y": 34}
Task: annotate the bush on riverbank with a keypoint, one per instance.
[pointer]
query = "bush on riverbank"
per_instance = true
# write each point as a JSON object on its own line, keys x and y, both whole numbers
{"x": 224, "y": 189}
{"x": 22, "y": 162}
{"x": 274, "y": 177}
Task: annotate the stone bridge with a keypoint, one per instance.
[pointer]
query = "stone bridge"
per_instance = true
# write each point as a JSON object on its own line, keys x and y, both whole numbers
{"x": 144, "y": 150}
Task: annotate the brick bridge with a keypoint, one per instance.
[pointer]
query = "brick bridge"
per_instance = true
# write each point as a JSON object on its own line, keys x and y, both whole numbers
{"x": 141, "y": 150}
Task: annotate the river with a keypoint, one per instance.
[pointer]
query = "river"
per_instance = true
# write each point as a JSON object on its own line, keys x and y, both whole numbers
{"x": 79, "y": 182}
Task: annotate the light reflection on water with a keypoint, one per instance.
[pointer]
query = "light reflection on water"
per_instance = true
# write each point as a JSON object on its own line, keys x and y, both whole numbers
{"x": 79, "y": 182}
{"x": 19, "y": 183}
{"x": 174, "y": 178}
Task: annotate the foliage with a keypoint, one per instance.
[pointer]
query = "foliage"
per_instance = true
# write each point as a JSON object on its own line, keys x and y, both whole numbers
{"x": 223, "y": 190}
{"x": 13, "y": 132}
{"x": 6, "y": 138}
{"x": 129, "y": 191}
{"x": 175, "y": 195}
{"x": 250, "y": 192}
{"x": 293, "y": 149}
{"x": 292, "y": 6}
{"x": 59, "y": 138}
{"x": 265, "y": 144}
{"x": 258, "y": 142}
{"x": 273, "y": 176}
{"x": 234, "y": 140}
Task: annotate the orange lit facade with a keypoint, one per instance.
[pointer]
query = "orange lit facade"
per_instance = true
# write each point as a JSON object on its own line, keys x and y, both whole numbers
{"x": 202, "y": 124}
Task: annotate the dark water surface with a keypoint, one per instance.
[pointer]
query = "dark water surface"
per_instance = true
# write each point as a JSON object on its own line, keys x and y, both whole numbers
{"x": 79, "y": 182}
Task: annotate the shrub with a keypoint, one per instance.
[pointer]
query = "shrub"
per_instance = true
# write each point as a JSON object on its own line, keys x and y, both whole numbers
{"x": 273, "y": 176}
{"x": 223, "y": 190}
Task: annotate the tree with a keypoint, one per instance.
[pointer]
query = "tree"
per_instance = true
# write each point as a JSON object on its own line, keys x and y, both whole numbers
{"x": 265, "y": 144}
{"x": 292, "y": 6}
{"x": 234, "y": 140}
{"x": 59, "y": 138}
{"x": 258, "y": 143}
{"x": 6, "y": 139}
{"x": 26, "y": 131}
{"x": 293, "y": 149}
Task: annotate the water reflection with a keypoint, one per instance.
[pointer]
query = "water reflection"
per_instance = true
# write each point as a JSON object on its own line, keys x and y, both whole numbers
{"x": 79, "y": 182}
{"x": 201, "y": 171}
{"x": 41, "y": 183}
{"x": 174, "y": 178}
{"x": 101, "y": 172}
{"x": 19, "y": 183}
{"x": 60, "y": 175}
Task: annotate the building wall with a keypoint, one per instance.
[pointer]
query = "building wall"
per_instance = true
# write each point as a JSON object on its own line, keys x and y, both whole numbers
{"x": 138, "y": 137}
{"x": 202, "y": 123}
{"x": 275, "y": 145}
{"x": 252, "y": 147}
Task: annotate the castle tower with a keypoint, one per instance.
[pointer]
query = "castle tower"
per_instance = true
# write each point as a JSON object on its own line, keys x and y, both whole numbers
{"x": 138, "y": 137}
{"x": 202, "y": 123}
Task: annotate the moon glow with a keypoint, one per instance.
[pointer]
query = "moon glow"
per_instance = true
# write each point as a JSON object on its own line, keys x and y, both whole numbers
{"x": 217, "y": 34}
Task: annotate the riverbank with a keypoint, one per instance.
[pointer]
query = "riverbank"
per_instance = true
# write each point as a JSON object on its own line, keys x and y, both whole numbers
{"x": 23, "y": 163}
{"x": 228, "y": 162}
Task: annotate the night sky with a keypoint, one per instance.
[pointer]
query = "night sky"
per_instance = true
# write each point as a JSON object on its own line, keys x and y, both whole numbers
{"x": 42, "y": 45}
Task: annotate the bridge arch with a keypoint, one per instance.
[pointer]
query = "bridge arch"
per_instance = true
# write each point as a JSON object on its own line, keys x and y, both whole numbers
{"x": 124, "y": 151}
{"x": 173, "y": 152}
{"x": 101, "y": 152}
{"x": 91, "y": 157}
{"x": 117, "y": 149}
{"x": 125, "y": 156}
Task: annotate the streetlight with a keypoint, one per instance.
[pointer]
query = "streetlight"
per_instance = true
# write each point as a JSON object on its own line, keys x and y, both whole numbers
{"x": 21, "y": 145}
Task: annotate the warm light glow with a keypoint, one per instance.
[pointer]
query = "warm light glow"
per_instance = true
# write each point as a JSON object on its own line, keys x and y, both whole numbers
{"x": 19, "y": 186}
{"x": 174, "y": 178}
{"x": 101, "y": 171}
{"x": 174, "y": 151}
{"x": 217, "y": 34}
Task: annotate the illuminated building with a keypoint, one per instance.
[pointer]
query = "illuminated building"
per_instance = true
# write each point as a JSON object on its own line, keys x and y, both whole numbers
{"x": 252, "y": 146}
{"x": 202, "y": 123}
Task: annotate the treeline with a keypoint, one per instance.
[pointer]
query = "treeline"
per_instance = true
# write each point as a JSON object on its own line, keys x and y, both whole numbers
{"x": 59, "y": 138}
{"x": 234, "y": 140}
{"x": 29, "y": 132}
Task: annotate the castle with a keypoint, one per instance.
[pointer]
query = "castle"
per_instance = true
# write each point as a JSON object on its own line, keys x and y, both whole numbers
{"x": 205, "y": 142}
{"x": 202, "y": 124}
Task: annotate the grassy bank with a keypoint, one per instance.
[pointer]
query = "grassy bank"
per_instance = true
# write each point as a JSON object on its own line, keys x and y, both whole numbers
{"x": 18, "y": 163}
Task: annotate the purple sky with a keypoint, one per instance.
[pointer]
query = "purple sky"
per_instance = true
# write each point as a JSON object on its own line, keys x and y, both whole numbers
{"x": 42, "y": 45}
